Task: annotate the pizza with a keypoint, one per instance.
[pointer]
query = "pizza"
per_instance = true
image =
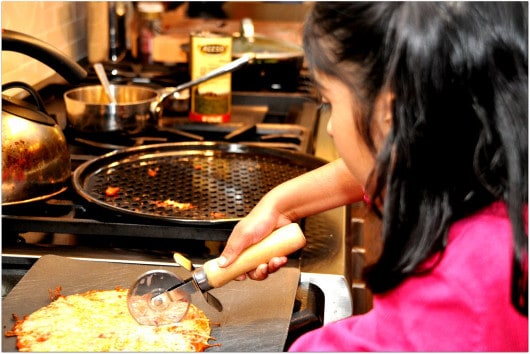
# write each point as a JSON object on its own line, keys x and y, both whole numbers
{"x": 99, "y": 320}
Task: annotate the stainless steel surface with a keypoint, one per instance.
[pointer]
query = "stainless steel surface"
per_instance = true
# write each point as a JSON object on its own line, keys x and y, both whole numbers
{"x": 249, "y": 320}
{"x": 336, "y": 292}
{"x": 222, "y": 70}
{"x": 247, "y": 29}
{"x": 35, "y": 156}
{"x": 88, "y": 110}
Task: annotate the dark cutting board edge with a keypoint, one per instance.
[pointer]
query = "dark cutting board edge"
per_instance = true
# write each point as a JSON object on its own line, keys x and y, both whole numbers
{"x": 255, "y": 317}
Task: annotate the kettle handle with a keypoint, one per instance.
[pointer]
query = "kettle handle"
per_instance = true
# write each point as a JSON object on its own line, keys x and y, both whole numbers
{"x": 18, "y": 84}
{"x": 44, "y": 52}
{"x": 25, "y": 112}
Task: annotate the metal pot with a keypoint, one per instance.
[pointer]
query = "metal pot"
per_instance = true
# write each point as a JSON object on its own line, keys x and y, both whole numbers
{"x": 137, "y": 107}
{"x": 35, "y": 155}
{"x": 88, "y": 109}
{"x": 276, "y": 66}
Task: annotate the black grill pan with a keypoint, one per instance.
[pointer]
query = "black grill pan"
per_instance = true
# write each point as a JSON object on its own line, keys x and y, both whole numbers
{"x": 213, "y": 182}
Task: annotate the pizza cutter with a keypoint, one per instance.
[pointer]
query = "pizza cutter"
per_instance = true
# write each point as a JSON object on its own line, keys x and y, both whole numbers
{"x": 160, "y": 297}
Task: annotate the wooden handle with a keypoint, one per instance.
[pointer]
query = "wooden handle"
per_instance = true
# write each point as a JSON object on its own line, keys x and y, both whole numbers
{"x": 280, "y": 242}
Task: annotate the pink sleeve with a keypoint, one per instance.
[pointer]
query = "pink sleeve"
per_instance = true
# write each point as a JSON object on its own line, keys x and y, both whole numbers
{"x": 462, "y": 305}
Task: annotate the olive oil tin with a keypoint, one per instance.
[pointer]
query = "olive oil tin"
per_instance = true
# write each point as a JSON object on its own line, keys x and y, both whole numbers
{"x": 211, "y": 101}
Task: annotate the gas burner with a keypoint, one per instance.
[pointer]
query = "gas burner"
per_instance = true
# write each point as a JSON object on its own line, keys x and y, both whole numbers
{"x": 109, "y": 141}
{"x": 291, "y": 137}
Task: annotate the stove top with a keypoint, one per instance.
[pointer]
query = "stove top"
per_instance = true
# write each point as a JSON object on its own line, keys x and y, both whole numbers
{"x": 67, "y": 225}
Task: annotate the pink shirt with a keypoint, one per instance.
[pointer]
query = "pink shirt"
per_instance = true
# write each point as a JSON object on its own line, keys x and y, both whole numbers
{"x": 462, "y": 305}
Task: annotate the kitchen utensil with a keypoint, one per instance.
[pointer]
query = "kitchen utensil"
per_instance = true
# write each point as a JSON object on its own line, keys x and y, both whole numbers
{"x": 152, "y": 301}
{"x": 137, "y": 106}
{"x": 35, "y": 155}
{"x": 22, "y": 43}
{"x": 246, "y": 311}
{"x": 147, "y": 310}
{"x": 276, "y": 66}
{"x": 102, "y": 76}
{"x": 194, "y": 182}
{"x": 186, "y": 263}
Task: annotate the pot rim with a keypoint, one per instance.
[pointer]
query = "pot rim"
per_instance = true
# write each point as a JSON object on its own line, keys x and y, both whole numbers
{"x": 68, "y": 95}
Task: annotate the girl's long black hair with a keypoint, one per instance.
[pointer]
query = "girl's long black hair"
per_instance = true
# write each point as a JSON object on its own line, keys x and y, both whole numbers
{"x": 459, "y": 142}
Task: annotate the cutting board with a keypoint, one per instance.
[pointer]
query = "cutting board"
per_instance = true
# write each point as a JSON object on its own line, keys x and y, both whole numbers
{"x": 255, "y": 317}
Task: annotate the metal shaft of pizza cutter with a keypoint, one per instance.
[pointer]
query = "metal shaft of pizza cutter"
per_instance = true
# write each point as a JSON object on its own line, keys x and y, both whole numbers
{"x": 197, "y": 283}
{"x": 200, "y": 281}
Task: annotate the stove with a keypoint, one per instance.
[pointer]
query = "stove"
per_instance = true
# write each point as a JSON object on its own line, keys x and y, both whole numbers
{"x": 67, "y": 225}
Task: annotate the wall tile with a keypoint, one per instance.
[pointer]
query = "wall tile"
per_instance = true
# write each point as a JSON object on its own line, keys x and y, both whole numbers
{"x": 59, "y": 23}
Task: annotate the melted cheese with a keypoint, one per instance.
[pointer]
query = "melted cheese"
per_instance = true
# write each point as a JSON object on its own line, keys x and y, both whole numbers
{"x": 100, "y": 321}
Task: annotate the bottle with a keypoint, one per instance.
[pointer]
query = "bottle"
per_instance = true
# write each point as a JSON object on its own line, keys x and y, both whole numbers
{"x": 211, "y": 101}
{"x": 149, "y": 26}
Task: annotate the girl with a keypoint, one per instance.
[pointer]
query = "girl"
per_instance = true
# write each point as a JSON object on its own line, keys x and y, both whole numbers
{"x": 429, "y": 115}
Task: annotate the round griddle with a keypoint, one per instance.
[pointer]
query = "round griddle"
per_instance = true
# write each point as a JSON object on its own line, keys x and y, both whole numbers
{"x": 198, "y": 182}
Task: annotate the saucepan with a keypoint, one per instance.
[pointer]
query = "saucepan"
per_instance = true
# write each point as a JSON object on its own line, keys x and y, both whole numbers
{"x": 137, "y": 107}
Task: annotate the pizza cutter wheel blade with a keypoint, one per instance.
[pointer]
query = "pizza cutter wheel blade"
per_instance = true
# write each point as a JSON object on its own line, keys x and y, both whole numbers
{"x": 150, "y": 304}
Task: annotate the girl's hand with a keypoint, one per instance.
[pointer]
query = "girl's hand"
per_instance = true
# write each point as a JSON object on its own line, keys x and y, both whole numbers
{"x": 249, "y": 231}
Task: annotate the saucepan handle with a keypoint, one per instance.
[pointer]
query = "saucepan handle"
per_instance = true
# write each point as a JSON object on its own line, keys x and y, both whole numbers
{"x": 224, "y": 69}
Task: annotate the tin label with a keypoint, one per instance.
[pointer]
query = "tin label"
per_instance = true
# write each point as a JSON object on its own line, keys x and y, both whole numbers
{"x": 211, "y": 101}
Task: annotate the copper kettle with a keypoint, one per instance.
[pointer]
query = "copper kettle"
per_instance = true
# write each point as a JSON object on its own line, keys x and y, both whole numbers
{"x": 35, "y": 155}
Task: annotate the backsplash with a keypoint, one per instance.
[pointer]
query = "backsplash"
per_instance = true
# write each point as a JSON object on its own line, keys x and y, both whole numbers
{"x": 59, "y": 23}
